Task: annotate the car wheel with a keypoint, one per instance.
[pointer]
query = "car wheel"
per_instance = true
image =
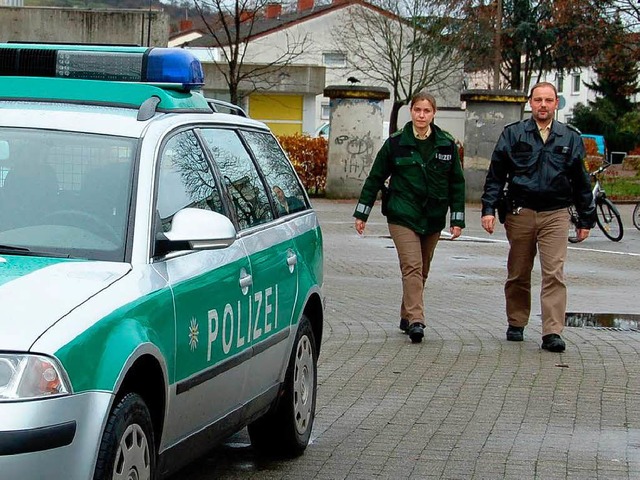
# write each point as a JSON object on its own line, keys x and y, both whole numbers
{"x": 285, "y": 430}
{"x": 127, "y": 449}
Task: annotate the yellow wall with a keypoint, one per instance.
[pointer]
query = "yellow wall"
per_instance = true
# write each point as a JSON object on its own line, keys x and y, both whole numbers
{"x": 283, "y": 113}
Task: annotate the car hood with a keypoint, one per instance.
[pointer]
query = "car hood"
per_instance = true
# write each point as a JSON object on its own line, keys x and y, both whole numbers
{"x": 36, "y": 292}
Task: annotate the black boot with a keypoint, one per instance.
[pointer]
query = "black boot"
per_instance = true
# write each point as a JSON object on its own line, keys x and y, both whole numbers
{"x": 416, "y": 332}
{"x": 515, "y": 334}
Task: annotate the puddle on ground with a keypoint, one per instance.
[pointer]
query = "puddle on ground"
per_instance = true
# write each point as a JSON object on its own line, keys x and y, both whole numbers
{"x": 612, "y": 321}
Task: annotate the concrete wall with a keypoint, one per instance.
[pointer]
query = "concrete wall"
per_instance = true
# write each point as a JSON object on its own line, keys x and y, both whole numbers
{"x": 488, "y": 111}
{"x": 355, "y": 137}
{"x": 70, "y": 25}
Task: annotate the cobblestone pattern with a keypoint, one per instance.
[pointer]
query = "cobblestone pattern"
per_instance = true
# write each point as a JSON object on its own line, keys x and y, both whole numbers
{"x": 464, "y": 404}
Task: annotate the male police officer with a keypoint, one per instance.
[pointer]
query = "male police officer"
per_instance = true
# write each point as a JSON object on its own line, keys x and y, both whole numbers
{"x": 541, "y": 160}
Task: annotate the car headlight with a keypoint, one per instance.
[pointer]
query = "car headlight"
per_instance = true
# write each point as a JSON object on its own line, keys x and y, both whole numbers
{"x": 26, "y": 376}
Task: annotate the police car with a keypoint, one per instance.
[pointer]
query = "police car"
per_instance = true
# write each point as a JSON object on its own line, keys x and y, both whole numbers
{"x": 155, "y": 295}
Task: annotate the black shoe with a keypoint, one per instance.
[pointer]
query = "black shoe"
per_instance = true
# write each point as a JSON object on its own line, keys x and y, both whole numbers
{"x": 553, "y": 342}
{"x": 515, "y": 334}
{"x": 416, "y": 332}
{"x": 404, "y": 325}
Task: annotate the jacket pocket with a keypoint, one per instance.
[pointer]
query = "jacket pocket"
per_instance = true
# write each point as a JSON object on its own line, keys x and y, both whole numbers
{"x": 523, "y": 158}
{"x": 437, "y": 206}
{"x": 556, "y": 174}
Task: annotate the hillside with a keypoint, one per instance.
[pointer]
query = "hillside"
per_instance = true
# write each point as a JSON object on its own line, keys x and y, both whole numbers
{"x": 175, "y": 11}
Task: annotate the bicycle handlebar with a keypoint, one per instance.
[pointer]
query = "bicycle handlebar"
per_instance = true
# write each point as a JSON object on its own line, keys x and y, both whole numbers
{"x": 600, "y": 169}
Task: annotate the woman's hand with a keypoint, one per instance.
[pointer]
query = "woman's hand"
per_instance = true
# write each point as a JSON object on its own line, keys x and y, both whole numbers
{"x": 360, "y": 224}
{"x": 455, "y": 232}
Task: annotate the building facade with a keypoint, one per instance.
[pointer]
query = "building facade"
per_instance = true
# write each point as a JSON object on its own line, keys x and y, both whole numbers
{"x": 312, "y": 32}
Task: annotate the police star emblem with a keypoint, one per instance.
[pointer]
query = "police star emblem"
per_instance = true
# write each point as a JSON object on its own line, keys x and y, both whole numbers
{"x": 194, "y": 331}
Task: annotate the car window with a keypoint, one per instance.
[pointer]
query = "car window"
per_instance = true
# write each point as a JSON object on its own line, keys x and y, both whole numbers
{"x": 278, "y": 172}
{"x": 240, "y": 176}
{"x": 66, "y": 192}
{"x": 185, "y": 179}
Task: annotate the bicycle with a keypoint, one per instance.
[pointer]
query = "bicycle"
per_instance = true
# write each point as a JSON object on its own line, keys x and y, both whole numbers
{"x": 636, "y": 216}
{"x": 607, "y": 214}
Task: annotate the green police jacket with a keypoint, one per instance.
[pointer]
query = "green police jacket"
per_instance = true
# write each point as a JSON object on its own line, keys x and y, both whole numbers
{"x": 421, "y": 190}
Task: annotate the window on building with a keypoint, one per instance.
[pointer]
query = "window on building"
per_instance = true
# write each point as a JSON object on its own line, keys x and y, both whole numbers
{"x": 560, "y": 85}
{"x": 334, "y": 59}
{"x": 576, "y": 83}
{"x": 325, "y": 111}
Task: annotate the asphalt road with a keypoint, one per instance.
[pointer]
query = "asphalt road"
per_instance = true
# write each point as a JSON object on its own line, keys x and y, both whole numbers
{"x": 464, "y": 404}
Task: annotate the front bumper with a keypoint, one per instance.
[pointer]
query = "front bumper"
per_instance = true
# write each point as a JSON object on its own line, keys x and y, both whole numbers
{"x": 54, "y": 438}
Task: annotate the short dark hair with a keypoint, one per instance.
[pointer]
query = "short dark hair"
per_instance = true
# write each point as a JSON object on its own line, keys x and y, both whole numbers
{"x": 544, "y": 84}
{"x": 423, "y": 95}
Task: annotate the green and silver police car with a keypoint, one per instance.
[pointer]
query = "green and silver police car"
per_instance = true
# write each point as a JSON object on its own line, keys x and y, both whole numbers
{"x": 160, "y": 269}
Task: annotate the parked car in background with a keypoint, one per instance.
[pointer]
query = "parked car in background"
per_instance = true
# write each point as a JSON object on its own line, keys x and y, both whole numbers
{"x": 156, "y": 296}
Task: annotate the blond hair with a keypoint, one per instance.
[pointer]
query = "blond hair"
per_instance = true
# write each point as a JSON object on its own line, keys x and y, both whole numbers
{"x": 423, "y": 95}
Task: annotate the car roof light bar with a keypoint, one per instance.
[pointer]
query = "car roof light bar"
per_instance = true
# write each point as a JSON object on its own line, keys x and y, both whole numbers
{"x": 166, "y": 67}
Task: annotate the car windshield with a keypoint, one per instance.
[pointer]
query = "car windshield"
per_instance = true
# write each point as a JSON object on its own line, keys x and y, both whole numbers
{"x": 64, "y": 193}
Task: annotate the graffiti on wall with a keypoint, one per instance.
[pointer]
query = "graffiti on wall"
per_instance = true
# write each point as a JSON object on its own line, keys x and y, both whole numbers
{"x": 358, "y": 155}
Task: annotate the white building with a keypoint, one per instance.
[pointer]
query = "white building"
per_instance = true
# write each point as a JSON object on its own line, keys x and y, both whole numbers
{"x": 314, "y": 28}
{"x": 572, "y": 88}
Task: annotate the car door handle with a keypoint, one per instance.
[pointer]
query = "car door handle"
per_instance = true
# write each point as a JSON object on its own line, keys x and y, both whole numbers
{"x": 246, "y": 281}
{"x": 292, "y": 260}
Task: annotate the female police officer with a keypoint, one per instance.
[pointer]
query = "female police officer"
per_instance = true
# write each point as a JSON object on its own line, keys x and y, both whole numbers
{"x": 425, "y": 176}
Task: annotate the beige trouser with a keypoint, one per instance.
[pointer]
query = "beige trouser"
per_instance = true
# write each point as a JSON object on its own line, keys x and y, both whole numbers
{"x": 529, "y": 232}
{"x": 414, "y": 253}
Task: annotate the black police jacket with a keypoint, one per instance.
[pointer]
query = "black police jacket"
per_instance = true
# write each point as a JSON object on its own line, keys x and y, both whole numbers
{"x": 541, "y": 176}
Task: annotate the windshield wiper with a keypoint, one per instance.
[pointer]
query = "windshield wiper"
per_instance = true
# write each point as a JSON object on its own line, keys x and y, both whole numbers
{"x": 14, "y": 250}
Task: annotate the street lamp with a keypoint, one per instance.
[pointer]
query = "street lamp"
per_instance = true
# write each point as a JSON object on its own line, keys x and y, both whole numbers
{"x": 497, "y": 60}
{"x": 149, "y": 26}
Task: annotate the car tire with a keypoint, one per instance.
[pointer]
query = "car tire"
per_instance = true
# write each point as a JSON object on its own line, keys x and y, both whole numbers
{"x": 128, "y": 442}
{"x": 285, "y": 430}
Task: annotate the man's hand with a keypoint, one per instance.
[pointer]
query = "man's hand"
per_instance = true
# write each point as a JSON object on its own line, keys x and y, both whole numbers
{"x": 488, "y": 223}
{"x": 360, "y": 224}
{"x": 455, "y": 232}
{"x": 583, "y": 233}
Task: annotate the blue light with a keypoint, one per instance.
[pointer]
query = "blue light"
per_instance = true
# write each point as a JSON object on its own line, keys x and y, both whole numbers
{"x": 167, "y": 67}
{"x": 174, "y": 65}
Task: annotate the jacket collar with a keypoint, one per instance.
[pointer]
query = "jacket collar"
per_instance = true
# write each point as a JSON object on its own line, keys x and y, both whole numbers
{"x": 407, "y": 137}
{"x": 557, "y": 128}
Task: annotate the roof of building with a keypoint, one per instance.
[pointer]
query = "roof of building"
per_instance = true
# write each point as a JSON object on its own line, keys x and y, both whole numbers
{"x": 260, "y": 25}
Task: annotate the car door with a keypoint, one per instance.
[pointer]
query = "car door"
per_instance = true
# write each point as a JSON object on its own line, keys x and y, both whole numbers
{"x": 210, "y": 292}
{"x": 273, "y": 260}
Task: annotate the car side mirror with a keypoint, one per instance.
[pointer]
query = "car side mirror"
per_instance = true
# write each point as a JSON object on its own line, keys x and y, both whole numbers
{"x": 196, "y": 229}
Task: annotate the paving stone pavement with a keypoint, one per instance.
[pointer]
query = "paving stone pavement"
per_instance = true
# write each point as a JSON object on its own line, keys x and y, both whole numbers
{"x": 465, "y": 403}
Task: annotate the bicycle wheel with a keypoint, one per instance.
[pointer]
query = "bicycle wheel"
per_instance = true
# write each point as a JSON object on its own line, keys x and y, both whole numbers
{"x": 573, "y": 224}
{"x": 636, "y": 216}
{"x": 608, "y": 219}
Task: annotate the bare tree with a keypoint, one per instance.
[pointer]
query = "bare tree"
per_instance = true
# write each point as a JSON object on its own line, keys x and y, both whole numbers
{"x": 401, "y": 44}
{"x": 232, "y": 25}
{"x": 536, "y": 36}
{"x": 628, "y": 11}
